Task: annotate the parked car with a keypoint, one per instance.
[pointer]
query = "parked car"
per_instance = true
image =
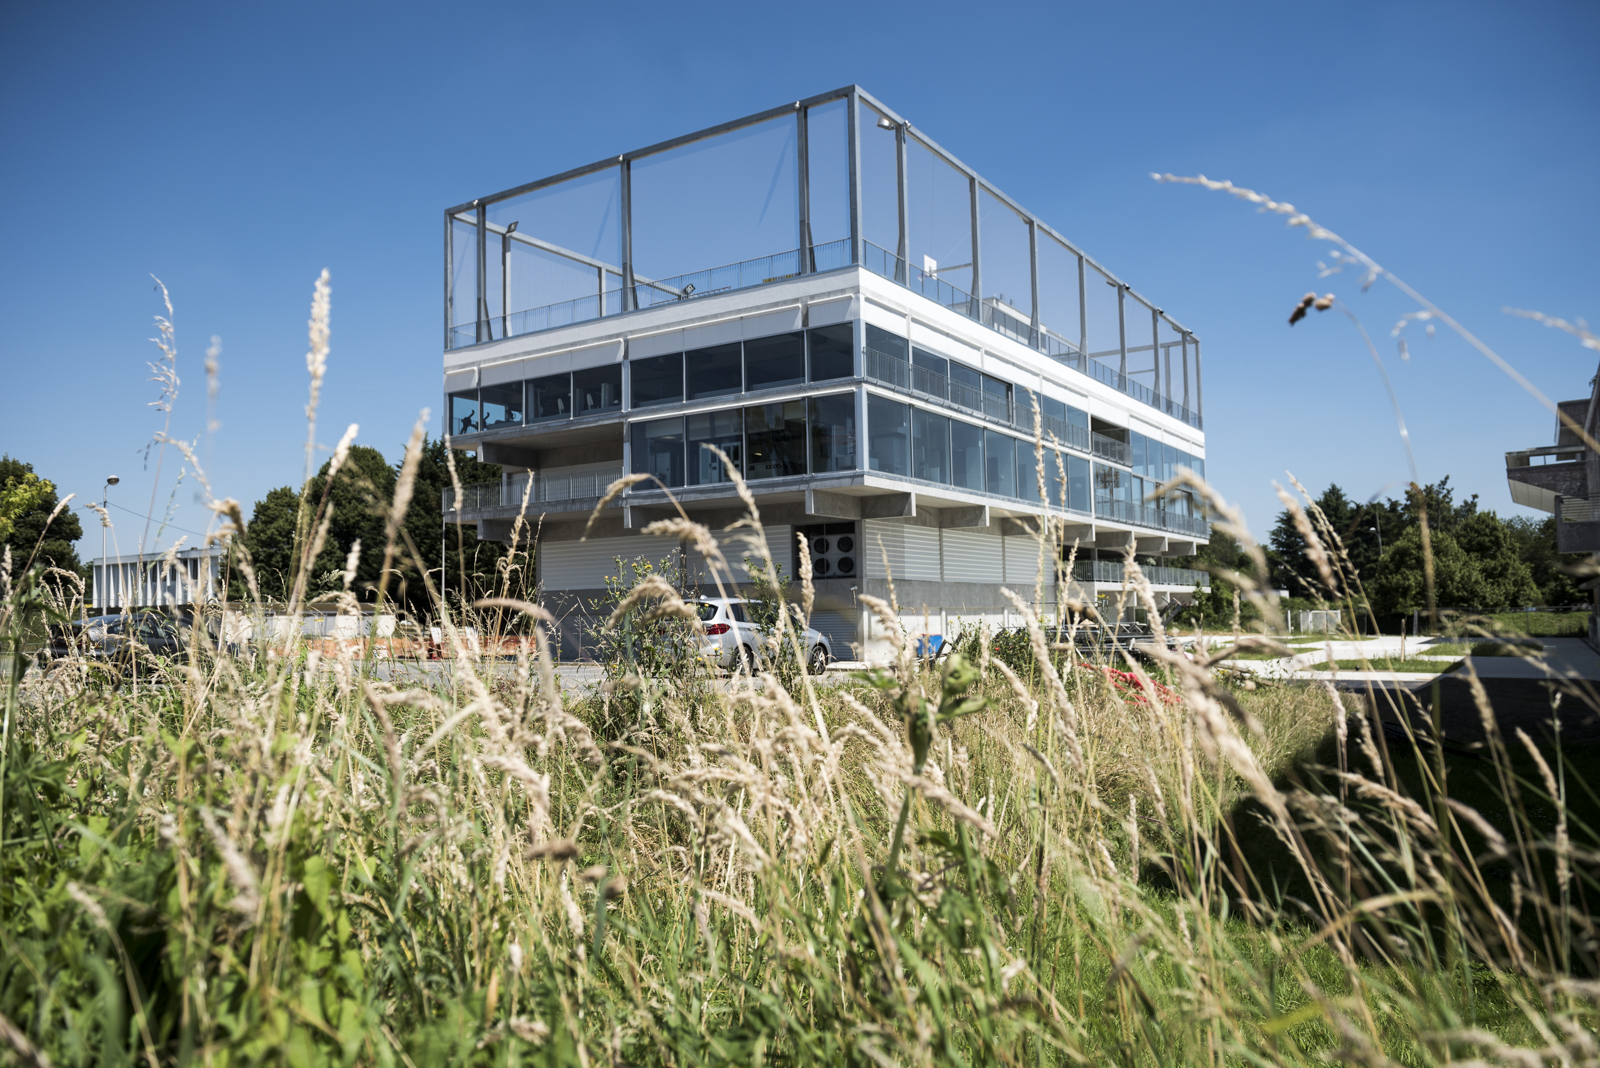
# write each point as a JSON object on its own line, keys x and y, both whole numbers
{"x": 121, "y": 641}
{"x": 729, "y": 629}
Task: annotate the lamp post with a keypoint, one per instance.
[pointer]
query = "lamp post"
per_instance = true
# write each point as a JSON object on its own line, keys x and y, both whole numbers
{"x": 1379, "y": 533}
{"x": 111, "y": 480}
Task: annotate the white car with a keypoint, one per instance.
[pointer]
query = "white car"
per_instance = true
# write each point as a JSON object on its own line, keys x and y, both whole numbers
{"x": 729, "y": 630}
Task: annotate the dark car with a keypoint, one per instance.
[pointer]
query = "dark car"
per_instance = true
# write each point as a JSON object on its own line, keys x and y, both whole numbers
{"x": 145, "y": 640}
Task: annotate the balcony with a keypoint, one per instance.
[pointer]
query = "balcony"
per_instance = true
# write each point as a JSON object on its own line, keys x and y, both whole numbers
{"x": 1112, "y": 571}
{"x": 1578, "y": 524}
{"x": 1137, "y": 513}
{"x": 554, "y": 486}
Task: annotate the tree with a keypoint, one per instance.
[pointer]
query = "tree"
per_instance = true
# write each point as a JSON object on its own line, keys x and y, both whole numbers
{"x": 355, "y": 504}
{"x": 455, "y": 549}
{"x": 1534, "y": 542}
{"x": 26, "y": 501}
{"x": 270, "y": 541}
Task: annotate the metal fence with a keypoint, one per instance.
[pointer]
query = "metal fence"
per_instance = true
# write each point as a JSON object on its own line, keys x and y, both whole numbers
{"x": 1156, "y": 574}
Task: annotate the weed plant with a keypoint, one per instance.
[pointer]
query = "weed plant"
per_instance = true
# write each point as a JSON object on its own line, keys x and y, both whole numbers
{"x": 1025, "y": 855}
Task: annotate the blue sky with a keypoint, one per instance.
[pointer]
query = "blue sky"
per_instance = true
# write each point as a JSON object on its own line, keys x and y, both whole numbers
{"x": 236, "y": 150}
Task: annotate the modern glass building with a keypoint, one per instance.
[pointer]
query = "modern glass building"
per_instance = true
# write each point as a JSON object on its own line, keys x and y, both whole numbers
{"x": 903, "y": 363}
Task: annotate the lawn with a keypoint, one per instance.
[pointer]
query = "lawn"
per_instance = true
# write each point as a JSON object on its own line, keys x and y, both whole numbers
{"x": 1409, "y": 666}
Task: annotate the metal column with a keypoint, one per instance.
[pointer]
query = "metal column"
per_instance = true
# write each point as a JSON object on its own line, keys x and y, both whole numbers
{"x": 802, "y": 156}
{"x": 977, "y": 250}
{"x": 1033, "y": 274}
{"x": 853, "y": 150}
{"x": 1122, "y": 335}
{"x": 483, "y": 269}
{"x": 630, "y": 299}
{"x": 1083, "y": 316}
{"x": 902, "y": 188}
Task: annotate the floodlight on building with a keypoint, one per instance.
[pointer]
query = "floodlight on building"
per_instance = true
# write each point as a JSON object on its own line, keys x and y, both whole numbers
{"x": 885, "y": 123}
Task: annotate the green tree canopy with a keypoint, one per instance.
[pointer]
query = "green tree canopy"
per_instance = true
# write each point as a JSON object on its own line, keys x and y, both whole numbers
{"x": 26, "y": 501}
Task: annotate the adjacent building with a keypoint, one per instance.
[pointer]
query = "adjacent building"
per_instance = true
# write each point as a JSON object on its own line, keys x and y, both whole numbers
{"x": 181, "y": 578}
{"x": 905, "y": 365}
{"x": 1564, "y": 480}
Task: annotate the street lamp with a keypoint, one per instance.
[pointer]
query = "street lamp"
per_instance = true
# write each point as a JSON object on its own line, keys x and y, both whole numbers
{"x": 1379, "y": 533}
{"x": 111, "y": 480}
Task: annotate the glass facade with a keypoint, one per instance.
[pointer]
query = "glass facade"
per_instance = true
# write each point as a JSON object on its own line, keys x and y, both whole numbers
{"x": 833, "y": 433}
{"x": 966, "y": 454}
{"x": 464, "y": 413}
{"x": 775, "y": 362}
{"x": 714, "y": 372}
{"x": 888, "y": 436}
{"x": 1000, "y": 464}
{"x": 725, "y": 430}
{"x": 550, "y": 397}
{"x": 833, "y": 352}
{"x": 658, "y": 450}
{"x": 776, "y": 437}
{"x": 502, "y": 405}
{"x": 597, "y": 390}
{"x": 768, "y": 198}
{"x": 760, "y": 440}
{"x": 930, "y": 446}
{"x": 657, "y": 380}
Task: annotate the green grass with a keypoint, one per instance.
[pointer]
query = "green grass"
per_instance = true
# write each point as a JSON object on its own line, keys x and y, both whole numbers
{"x": 1543, "y": 624}
{"x": 1408, "y": 666}
{"x": 1485, "y": 648}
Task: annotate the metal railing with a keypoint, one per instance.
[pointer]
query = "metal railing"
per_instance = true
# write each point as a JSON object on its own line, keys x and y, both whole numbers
{"x": 650, "y": 292}
{"x": 1109, "y": 448}
{"x": 1156, "y": 574}
{"x": 556, "y": 485}
{"x": 1004, "y": 320}
{"x": 1146, "y": 515}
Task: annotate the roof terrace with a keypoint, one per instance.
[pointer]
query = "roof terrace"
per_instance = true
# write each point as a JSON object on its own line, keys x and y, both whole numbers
{"x": 835, "y": 182}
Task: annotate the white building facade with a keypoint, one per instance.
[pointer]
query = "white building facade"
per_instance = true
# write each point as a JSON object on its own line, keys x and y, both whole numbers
{"x": 165, "y": 580}
{"x": 904, "y": 364}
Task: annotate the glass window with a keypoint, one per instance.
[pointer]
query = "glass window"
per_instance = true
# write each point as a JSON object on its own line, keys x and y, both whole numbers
{"x": 706, "y": 612}
{"x": 713, "y": 372}
{"x": 597, "y": 389}
{"x": 502, "y": 405}
{"x": 1052, "y": 408}
{"x": 832, "y": 352}
{"x": 1077, "y": 417}
{"x": 1000, "y": 459}
{"x": 776, "y": 435}
{"x": 464, "y": 413}
{"x": 1136, "y": 451}
{"x": 996, "y": 398}
{"x": 930, "y": 446}
{"x": 725, "y": 430}
{"x": 885, "y": 342}
{"x": 657, "y": 380}
{"x": 966, "y": 454}
{"x": 736, "y": 610}
{"x": 550, "y": 397}
{"x": 833, "y": 433}
{"x": 1028, "y": 470}
{"x": 658, "y": 450}
{"x": 1079, "y": 498}
{"x": 770, "y": 362}
{"x": 880, "y": 195}
{"x": 1169, "y": 463}
{"x": 888, "y": 436}
{"x": 1053, "y": 484}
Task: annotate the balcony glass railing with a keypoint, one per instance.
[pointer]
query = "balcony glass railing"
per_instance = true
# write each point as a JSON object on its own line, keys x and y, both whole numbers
{"x": 1157, "y": 574}
{"x": 650, "y": 292}
{"x": 1109, "y": 448}
{"x": 1139, "y": 513}
{"x": 1004, "y": 320}
{"x": 554, "y": 485}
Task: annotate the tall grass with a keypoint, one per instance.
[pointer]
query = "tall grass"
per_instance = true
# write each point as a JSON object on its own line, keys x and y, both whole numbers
{"x": 291, "y": 857}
